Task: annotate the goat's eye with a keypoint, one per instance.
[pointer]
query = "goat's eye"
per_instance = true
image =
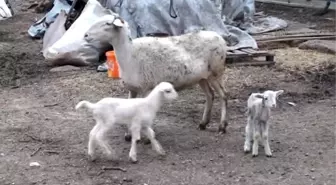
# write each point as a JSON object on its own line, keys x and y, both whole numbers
{"x": 266, "y": 98}
{"x": 86, "y": 35}
{"x": 168, "y": 91}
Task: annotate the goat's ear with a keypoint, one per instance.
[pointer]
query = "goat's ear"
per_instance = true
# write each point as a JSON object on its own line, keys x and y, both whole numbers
{"x": 279, "y": 92}
{"x": 109, "y": 22}
{"x": 259, "y": 96}
{"x": 118, "y": 22}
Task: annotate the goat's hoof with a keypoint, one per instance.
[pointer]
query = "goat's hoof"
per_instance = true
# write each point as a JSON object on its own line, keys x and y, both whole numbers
{"x": 133, "y": 160}
{"x": 202, "y": 126}
{"x": 128, "y": 137}
{"x": 246, "y": 150}
{"x": 254, "y": 155}
{"x": 221, "y": 130}
{"x": 92, "y": 158}
{"x": 146, "y": 141}
{"x": 162, "y": 153}
{"x": 268, "y": 155}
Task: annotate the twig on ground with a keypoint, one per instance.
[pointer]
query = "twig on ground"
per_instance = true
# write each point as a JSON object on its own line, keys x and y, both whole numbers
{"x": 51, "y": 105}
{"x": 35, "y": 152}
{"x": 103, "y": 169}
{"x": 51, "y": 151}
{"x": 114, "y": 168}
{"x": 34, "y": 138}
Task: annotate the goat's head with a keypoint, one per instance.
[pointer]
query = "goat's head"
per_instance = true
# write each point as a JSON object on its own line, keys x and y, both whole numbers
{"x": 269, "y": 98}
{"x": 106, "y": 29}
{"x": 168, "y": 91}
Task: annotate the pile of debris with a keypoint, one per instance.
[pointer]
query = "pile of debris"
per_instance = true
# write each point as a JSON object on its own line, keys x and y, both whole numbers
{"x": 63, "y": 27}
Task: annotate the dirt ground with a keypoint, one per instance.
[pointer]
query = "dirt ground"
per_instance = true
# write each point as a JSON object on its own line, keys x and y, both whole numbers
{"x": 38, "y": 123}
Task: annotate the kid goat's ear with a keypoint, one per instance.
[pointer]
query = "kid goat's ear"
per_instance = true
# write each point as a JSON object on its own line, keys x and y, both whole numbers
{"x": 259, "y": 96}
{"x": 279, "y": 92}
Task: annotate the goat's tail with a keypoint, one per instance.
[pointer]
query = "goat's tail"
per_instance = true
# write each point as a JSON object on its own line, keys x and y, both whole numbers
{"x": 84, "y": 103}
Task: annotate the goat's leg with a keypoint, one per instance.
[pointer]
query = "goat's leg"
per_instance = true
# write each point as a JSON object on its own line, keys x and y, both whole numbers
{"x": 264, "y": 132}
{"x": 101, "y": 133}
{"x": 131, "y": 94}
{"x": 155, "y": 144}
{"x": 208, "y": 103}
{"x": 92, "y": 143}
{"x": 135, "y": 130}
{"x": 248, "y": 135}
{"x": 256, "y": 138}
{"x": 223, "y": 100}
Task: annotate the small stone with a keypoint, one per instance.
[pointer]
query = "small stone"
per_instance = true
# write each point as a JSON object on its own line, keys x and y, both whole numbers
{"x": 283, "y": 173}
{"x": 306, "y": 154}
{"x": 173, "y": 163}
{"x": 2, "y": 154}
{"x": 320, "y": 152}
{"x": 271, "y": 172}
{"x": 204, "y": 166}
{"x": 313, "y": 178}
{"x": 211, "y": 159}
{"x": 220, "y": 156}
{"x": 223, "y": 173}
{"x": 34, "y": 164}
{"x": 312, "y": 170}
{"x": 127, "y": 180}
{"x": 306, "y": 174}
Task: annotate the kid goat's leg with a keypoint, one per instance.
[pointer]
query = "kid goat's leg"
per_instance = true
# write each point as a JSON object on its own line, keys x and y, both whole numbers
{"x": 92, "y": 142}
{"x": 155, "y": 144}
{"x": 248, "y": 135}
{"x": 131, "y": 94}
{"x": 256, "y": 137}
{"x": 135, "y": 130}
{"x": 264, "y": 132}
{"x": 101, "y": 133}
{"x": 208, "y": 103}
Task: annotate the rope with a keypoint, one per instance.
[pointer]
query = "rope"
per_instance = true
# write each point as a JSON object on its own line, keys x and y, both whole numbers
{"x": 170, "y": 10}
{"x": 1, "y": 15}
{"x": 119, "y": 2}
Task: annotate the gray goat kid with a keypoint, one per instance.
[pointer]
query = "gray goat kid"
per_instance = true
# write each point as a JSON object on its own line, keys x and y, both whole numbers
{"x": 259, "y": 111}
{"x": 185, "y": 60}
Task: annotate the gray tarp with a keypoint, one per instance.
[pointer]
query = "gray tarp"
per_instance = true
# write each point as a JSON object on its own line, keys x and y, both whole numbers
{"x": 176, "y": 17}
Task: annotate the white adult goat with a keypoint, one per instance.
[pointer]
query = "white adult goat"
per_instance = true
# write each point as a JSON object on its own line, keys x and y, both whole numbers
{"x": 259, "y": 111}
{"x": 184, "y": 61}
{"x": 137, "y": 113}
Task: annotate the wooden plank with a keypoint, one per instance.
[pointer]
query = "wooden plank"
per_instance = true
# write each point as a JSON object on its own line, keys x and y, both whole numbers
{"x": 229, "y": 53}
{"x": 252, "y": 51}
{"x": 253, "y": 63}
{"x": 300, "y": 4}
{"x": 238, "y": 52}
{"x": 298, "y": 38}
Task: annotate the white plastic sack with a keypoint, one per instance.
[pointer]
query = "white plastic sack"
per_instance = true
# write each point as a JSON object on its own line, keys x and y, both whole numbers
{"x": 55, "y": 31}
{"x": 5, "y": 11}
{"x": 73, "y": 39}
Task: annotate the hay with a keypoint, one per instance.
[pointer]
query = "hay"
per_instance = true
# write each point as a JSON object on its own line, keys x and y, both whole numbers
{"x": 309, "y": 64}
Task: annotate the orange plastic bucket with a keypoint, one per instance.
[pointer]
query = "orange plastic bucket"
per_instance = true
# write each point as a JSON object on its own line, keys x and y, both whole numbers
{"x": 112, "y": 63}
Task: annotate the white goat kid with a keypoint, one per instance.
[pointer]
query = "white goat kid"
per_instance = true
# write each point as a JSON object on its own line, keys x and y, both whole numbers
{"x": 137, "y": 113}
{"x": 259, "y": 111}
{"x": 185, "y": 60}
